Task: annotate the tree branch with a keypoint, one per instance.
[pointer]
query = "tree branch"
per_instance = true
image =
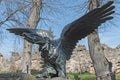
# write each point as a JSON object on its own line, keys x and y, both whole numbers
{"x": 10, "y": 15}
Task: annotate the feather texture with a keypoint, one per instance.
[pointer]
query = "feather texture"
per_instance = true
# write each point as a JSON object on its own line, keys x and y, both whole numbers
{"x": 83, "y": 26}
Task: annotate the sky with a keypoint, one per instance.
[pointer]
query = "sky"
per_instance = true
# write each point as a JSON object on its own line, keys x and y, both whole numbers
{"x": 109, "y": 32}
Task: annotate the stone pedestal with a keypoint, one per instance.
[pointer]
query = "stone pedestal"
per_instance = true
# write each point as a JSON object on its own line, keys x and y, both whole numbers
{"x": 23, "y": 76}
{"x": 16, "y": 76}
{"x": 56, "y": 78}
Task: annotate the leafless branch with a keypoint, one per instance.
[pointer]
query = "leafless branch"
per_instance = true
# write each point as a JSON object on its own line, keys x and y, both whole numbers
{"x": 11, "y": 14}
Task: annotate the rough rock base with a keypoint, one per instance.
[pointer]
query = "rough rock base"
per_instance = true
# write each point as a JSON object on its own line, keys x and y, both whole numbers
{"x": 56, "y": 78}
{"x": 16, "y": 76}
{"x": 23, "y": 76}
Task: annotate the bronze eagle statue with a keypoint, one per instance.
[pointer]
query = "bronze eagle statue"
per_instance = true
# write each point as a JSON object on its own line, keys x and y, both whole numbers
{"x": 56, "y": 51}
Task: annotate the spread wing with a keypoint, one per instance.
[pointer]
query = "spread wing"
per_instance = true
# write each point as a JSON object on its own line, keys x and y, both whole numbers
{"x": 31, "y": 35}
{"x": 83, "y": 26}
{"x": 20, "y": 31}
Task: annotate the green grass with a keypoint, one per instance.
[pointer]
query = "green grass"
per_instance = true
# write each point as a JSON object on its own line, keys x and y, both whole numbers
{"x": 118, "y": 76}
{"x": 86, "y": 76}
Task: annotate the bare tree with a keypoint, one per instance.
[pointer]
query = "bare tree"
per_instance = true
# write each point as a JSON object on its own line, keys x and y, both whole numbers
{"x": 32, "y": 23}
{"x": 103, "y": 68}
{"x": 9, "y": 16}
{"x": 15, "y": 13}
{"x": 12, "y": 13}
{"x": 18, "y": 14}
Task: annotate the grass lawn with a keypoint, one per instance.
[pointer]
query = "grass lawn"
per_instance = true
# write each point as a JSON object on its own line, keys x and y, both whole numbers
{"x": 86, "y": 76}
{"x": 118, "y": 76}
{"x": 73, "y": 76}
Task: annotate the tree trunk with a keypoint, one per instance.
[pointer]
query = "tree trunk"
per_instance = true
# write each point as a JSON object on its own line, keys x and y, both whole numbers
{"x": 103, "y": 68}
{"x": 32, "y": 23}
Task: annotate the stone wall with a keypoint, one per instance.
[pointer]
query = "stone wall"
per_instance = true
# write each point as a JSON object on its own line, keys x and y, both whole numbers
{"x": 13, "y": 65}
{"x": 80, "y": 60}
{"x": 4, "y": 64}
